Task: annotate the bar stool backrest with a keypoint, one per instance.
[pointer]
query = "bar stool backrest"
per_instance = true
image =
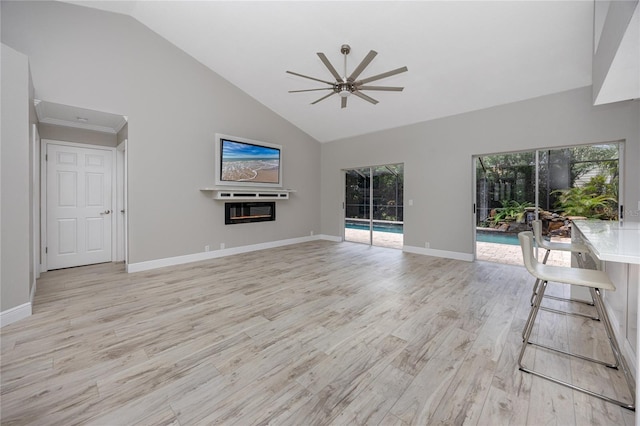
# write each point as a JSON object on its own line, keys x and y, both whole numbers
{"x": 526, "y": 244}
{"x": 537, "y": 233}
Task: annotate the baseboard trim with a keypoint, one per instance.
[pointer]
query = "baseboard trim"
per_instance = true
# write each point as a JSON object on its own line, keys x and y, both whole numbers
{"x": 197, "y": 257}
{"x": 468, "y": 257}
{"x": 330, "y": 238}
{"x": 15, "y": 314}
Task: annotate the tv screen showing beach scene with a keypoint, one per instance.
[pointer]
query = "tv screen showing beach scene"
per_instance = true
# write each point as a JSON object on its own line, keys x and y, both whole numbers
{"x": 246, "y": 163}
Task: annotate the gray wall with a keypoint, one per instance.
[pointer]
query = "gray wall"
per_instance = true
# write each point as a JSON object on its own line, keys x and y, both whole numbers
{"x": 108, "y": 62}
{"x": 72, "y": 134}
{"x": 438, "y": 159}
{"x": 15, "y": 257}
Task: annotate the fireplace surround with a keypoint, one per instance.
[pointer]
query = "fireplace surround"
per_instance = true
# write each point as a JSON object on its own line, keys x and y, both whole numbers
{"x": 247, "y": 212}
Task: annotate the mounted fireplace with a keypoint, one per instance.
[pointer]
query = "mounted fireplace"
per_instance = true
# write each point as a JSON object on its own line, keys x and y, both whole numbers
{"x": 249, "y": 212}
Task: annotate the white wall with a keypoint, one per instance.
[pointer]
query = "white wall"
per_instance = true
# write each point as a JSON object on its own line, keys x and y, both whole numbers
{"x": 108, "y": 62}
{"x": 438, "y": 159}
{"x": 15, "y": 256}
{"x": 616, "y": 60}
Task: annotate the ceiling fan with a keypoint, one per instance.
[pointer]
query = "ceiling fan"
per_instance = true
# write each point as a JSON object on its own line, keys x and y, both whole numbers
{"x": 347, "y": 86}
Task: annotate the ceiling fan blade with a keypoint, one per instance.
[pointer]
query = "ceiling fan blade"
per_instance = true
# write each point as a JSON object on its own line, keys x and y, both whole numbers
{"x": 381, "y": 76}
{"x": 365, "y": 62}
{"x": 343, "y": 102}
{"x": 330, "y": 67}
{"x": 310, "y": 90}
{"x": 323, "y": 98}
{"x": 384, "y": 88}
{"x": 310, "y": 78}
{"x": 365, "y": 97}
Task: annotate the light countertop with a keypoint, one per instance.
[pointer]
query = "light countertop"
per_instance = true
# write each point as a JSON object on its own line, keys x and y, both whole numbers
{"x": 612, "y": 241}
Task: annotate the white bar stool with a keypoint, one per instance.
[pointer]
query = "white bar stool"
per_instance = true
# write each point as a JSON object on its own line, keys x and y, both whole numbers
{"x": 594, "y": 281}
{"x": 578, "y": 250}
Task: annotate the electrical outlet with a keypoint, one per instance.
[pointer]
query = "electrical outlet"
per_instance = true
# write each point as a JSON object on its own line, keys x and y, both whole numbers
{"x": 221, "y": 246}
{"x": 207, "y": 248}
{"x": 427, "y": 245}
{"x": 312, "y": 233}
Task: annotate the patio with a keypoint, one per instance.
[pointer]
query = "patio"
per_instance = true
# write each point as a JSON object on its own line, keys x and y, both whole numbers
{"x": 490, "y": 252}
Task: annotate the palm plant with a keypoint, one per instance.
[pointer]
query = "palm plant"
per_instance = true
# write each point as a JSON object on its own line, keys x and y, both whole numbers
{"x": 583, "y": 201}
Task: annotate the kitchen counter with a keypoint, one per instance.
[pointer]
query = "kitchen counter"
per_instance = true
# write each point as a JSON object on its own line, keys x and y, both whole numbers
{"x": 611, "y": 241}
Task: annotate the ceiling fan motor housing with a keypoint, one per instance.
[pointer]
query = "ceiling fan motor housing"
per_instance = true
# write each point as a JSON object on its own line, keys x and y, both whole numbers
{"x": 345, "y": 89}
{"x": 346, "y": 85}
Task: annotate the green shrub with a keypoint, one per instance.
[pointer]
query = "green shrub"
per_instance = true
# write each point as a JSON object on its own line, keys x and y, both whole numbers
{"x": 511, "y": 211}
{"x": 595, "y": 200}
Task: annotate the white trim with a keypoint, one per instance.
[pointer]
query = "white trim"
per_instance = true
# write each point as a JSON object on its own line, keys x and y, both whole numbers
{"x": 35, "y": 193}
{"x": 15, "y": 314}
{"x": 43, "y": 206}
{"x": 248, "y": 194}
{"x": 121, "y": 183}
{"x": 468, "y": 257}
{"x": 206, "y": 255}
{"x": 333, "y": 238}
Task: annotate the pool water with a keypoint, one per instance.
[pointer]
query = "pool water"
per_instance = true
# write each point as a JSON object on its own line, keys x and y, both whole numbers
{"x": 510, "y": 239}
{"x": 395, "y": 228}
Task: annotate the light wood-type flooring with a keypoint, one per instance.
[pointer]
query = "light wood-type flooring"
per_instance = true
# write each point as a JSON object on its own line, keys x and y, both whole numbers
{"x": 319, "y": 333}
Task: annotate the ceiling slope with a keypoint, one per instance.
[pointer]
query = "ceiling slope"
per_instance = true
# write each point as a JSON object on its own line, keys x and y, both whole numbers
{"x": 462, "y": 56}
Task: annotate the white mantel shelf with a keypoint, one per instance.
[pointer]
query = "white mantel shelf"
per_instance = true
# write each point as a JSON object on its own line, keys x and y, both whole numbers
{"x": 245, "y": 194}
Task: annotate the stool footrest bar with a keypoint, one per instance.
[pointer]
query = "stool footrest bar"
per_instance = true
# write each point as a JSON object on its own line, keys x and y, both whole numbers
{"x": 622, "y": 404}
{"x": 586, "y": 358}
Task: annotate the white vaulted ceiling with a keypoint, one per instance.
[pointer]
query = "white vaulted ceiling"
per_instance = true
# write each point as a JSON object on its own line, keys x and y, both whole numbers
{"x": 462, "y": 56}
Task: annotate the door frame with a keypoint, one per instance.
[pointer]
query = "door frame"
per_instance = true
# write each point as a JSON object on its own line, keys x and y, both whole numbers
{"x": 36, "y": 194}
{"x": 343, "y": 183}
{"x": 120, "y": 211}
{"x": 44, "y": 144}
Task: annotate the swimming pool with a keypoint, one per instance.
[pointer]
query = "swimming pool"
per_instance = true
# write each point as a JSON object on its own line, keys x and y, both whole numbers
{"x": 511, "y": 239}
{"x": 395, "y": 228}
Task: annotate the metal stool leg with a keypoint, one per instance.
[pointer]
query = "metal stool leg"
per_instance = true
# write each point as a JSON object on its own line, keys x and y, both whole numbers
{"x": 614, "y": 345}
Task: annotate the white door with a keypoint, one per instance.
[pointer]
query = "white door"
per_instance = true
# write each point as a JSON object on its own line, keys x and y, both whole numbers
{"x": 79, "y": 209}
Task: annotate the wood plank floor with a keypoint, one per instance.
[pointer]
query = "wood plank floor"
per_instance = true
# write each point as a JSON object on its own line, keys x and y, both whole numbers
{"x": 318, "y": 333}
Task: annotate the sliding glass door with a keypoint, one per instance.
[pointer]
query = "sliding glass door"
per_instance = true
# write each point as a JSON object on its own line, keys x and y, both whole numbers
{"x": 374, "y": 206}
{"x": 554, "y": 185}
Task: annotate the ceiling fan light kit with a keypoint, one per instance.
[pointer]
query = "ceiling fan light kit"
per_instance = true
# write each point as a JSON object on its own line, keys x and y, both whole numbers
{"x": 345, "y": 85}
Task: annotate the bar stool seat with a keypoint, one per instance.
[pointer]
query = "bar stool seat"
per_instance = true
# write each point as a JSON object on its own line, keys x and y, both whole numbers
{"x": 594, "y": 281}
{"x": 551, "y": 245}
{"x": 575, "y": 276}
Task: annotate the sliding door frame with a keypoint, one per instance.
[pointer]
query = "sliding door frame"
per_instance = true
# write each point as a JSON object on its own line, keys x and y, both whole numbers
{"x": 475, "y": 157}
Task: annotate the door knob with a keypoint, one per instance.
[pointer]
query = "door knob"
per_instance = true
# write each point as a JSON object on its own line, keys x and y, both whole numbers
{"x": 106, "y": 212}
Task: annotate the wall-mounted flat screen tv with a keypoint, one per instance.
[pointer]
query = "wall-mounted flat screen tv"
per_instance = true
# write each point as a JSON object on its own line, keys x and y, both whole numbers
{"x": 245, "y": 162}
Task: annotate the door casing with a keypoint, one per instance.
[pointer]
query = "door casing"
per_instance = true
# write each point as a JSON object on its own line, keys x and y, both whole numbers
{"x": 43, "y": 200}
